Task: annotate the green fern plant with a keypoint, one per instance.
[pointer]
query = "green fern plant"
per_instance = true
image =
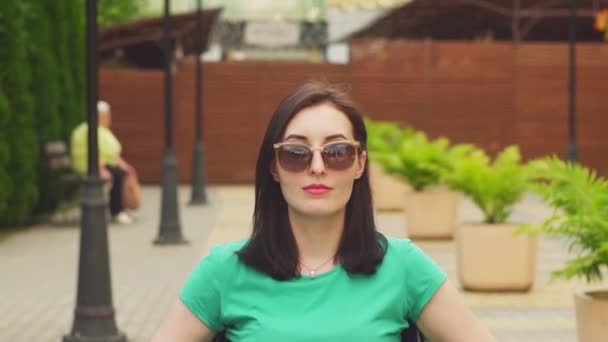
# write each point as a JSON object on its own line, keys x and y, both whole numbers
{"x": 580, "y": 198}
{"x": 382, "y": 139}
{"x": 382, "y": 135}
{"x": 420, "y": 161}
{"x": 494, "y": 186}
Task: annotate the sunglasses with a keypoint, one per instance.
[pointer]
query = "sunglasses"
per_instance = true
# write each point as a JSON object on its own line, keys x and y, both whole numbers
{"x": 295, "y": 157}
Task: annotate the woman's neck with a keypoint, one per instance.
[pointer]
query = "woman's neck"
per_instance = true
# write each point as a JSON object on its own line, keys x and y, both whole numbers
{"x": 317, "y": 238}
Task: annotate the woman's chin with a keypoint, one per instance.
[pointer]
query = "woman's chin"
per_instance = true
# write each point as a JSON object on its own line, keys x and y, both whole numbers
{"x": 319, "y": 210}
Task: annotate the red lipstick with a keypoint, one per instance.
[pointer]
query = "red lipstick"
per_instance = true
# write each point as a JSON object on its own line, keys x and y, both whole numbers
{"x": 316, "y": 189}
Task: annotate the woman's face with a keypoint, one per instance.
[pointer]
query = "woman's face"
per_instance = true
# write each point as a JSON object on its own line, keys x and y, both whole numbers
{"x": 104, "y": 119}
{"x": 318, "y": 190}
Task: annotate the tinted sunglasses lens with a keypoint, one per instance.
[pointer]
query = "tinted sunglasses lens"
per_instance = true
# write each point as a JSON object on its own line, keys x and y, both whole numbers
{"x": 294, "y": 158}
{"x": 339, "y": 156}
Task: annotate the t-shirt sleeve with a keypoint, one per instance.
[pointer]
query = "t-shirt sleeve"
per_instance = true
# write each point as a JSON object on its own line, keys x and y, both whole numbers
{"x": 423, "y": 280}
{"x": 201, "y": 292}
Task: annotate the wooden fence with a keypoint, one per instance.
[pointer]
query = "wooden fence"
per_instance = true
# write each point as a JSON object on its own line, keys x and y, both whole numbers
{"x": 490, "y": 94}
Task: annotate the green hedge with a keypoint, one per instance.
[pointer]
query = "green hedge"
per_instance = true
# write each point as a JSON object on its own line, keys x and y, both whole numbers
{"x": 5, "y": 183}
{"x": 20, "y": 133}
{"x": 44, "y": 66}
{"x": 42, "y": 94}
{"x": 66, "y": 39}
{"x": 76, "y": 52}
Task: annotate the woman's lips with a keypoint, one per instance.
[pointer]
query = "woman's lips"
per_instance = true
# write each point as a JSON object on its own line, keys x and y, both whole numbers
{"x": 316, "y": 189}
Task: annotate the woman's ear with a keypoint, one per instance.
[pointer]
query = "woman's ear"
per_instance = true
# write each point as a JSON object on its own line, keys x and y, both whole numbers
{"x": 361, "y": 164}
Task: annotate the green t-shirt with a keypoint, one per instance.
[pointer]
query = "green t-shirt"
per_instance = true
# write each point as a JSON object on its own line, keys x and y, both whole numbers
{"x": 108, "y": 145}
{"x": 335, "y": 306}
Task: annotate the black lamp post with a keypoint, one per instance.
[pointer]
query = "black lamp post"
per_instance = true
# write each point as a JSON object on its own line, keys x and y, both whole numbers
{"x": 94, "y": 314}
{"x": 199, "y": 194}
{"x": 170, "y": 231}
{"x": 572, "y": 149}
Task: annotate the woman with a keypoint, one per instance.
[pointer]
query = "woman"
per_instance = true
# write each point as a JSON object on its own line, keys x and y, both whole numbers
{"x": 125, "y": 189}
{"x": 314, "y": 268}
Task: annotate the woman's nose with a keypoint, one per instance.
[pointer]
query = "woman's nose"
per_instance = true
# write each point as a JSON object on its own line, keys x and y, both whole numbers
{"x": 317, "y": 165}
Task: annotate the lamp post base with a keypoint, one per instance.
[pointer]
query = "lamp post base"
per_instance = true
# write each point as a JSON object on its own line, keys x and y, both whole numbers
{"x": 115, "y": 338}
{"x": 170, "y": 231}
{"x": 94, "y": 313}
{"x": 199, "y": 194}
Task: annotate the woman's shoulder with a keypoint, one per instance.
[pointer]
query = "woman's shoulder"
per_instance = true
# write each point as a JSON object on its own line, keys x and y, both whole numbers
{"x": 404, "y": 252}
{"x": 221, "y": 259}
{"x": 399, "y": 245}
{"x": 225, "y": 251}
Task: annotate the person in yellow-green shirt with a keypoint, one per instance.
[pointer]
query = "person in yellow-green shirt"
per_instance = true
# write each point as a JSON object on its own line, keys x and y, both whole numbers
{"x": 124, "y": 191}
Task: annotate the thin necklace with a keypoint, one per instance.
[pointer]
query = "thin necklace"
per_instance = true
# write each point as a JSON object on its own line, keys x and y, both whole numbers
{"x": 313, "y": 271}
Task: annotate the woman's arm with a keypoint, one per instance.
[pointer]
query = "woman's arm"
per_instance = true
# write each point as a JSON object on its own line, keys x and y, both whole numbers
{"x": 183, "y": 325}
{"x": 126, "y": 167}
{"x": 447, "y": 318}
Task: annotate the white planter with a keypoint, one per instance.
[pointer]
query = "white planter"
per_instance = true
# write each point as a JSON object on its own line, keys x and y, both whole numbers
{"x": 491, "y": 258}
{"x": 592, "y": 315}
{"x": 388, "y": 192}
{"x": 431, "y": 213}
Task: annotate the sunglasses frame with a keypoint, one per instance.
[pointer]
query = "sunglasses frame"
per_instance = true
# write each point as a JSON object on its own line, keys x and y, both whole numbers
{"x": 354, "y": 143}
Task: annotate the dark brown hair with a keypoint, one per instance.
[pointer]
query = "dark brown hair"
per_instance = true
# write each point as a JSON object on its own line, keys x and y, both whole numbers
{"x": 272, "y": 247}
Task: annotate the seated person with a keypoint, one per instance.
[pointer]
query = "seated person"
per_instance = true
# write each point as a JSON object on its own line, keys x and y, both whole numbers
{"x": 314, "y": 267}
{"x": 125, "y": 190}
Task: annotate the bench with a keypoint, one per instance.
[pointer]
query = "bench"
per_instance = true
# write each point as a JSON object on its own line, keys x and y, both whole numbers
{"x": 56, "y": 159}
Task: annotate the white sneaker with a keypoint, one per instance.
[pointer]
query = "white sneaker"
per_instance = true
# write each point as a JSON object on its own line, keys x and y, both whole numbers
{"x": 122, "y": 218}
{"x": 133, "y": 215}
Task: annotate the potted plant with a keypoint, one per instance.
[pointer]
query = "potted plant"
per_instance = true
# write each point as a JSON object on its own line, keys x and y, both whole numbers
{"x": 580, "y": 200}
{"x": 489, "y": 256}
{"x": 388, "y": 191}
{"x": 431, "y": 208}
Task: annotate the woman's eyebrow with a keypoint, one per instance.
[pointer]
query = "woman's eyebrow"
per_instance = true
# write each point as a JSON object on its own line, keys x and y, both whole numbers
{"x": 295, "y": 136}
{"x": 327, "y": 138}
{"x": 336, "y": 136}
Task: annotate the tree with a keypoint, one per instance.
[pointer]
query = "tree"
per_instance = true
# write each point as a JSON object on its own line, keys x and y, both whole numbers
{"x": 5, "y": 182}
{"x": 20, "y": 133}
{"x": 112, "y": 12}
{"x": 75, "y": 32}
{"x": 60, "y": 14}
{"x": 45, "y": 90}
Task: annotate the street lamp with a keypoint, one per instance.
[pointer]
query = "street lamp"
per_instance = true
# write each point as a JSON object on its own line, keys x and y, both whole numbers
{"x": 170, "y": 231}
{"x": 572, "y": 149}
{"x": 199, "y": 194}
{"x": 94, "y": 314}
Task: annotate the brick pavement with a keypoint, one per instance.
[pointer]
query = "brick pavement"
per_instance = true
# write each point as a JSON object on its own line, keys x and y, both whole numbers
{"x": 39, "y": 266}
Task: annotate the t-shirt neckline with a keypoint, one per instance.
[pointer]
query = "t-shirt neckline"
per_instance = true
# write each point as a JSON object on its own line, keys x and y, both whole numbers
{"x": 306, "y": 277}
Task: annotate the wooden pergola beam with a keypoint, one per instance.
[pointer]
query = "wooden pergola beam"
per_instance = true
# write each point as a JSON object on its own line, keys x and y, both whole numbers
{"x": 151, "y": 30}
{"x": 555, "y": 13}
{"x": 492, "y": 7}
{"x": 540, "y": 10}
